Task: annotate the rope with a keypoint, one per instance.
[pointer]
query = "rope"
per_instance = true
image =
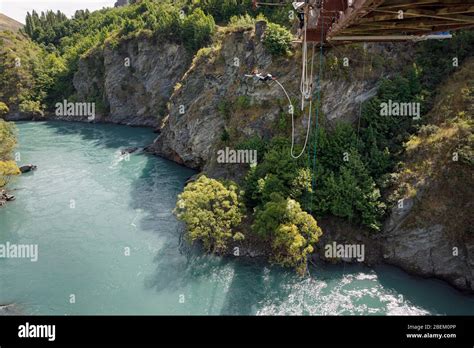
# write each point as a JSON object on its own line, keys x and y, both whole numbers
{"x": 292, "y": 113}
{"x": 313, "y": 183}
{"x": 306, "y": 89}
{"x": 360, "y": 104}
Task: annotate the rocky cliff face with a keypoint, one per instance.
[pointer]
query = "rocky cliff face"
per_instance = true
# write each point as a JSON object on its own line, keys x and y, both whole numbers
{"x": 131, "y": 83}
{"x": 430, "y": 230}
{"x": 432, "y": 235}
{"x": 195, "y": 122}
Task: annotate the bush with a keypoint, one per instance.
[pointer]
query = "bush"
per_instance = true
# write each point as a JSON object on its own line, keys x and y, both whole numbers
{"x": 31, "y": 107}
{"x": 223, "y": 10}
{"x": 211, "y": 210}
{"x": 278, "y": 172}
{"x": 224, "y": 108}
{"x": 242, "y": 22}
{"x": 254, "y": 143}
{"x": 242, "y": 102}
{"x": 197, "y": 29}
{"x": 225, "y": 136}
{"x": 4, "y": 110}
{"x": 7, "y": 170}
{"x": 277, "y": 40}
{"x": 291, "y": 232}
{"x": 7, "y": 140}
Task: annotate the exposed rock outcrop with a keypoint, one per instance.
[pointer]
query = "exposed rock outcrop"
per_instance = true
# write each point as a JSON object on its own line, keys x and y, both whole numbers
{"x": 195, "y": 122}
{"x": 9, "y": 309}
{"x": 131, "y": 83}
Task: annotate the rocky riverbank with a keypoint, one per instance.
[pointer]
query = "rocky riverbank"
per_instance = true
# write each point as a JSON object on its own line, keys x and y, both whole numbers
{"x": 5, "y": 197}
{"x": 9, "y": 309}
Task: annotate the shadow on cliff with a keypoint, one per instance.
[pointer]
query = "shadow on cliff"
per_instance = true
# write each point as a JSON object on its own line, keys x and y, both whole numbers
{"x": 101, "y": 135}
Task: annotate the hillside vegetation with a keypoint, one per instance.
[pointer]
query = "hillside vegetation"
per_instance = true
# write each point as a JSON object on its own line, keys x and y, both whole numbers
{"x": 438, "y": 160}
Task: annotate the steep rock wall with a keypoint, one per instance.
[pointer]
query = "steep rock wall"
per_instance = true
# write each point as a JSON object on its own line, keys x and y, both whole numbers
{"x": 131, "y": 83}
{"x": 195, "y": 123}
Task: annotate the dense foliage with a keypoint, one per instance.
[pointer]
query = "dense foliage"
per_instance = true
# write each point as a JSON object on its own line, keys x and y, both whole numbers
{"x": 291, "y": 232}
{"x": 277, "y": 39}
{"x": 26, "y": 73}
{"x": 211, "y": 210}
{"x": 224, "y": 10}
{"x": 277, "y": 172}
{"x": 8, "y": 167}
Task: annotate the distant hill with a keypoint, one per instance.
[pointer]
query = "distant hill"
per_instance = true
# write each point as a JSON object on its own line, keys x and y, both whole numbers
{"x": 7, "y": 23}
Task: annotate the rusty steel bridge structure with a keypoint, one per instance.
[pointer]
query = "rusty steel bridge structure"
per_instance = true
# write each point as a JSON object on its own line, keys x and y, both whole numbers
{"x": 346, "y": 21}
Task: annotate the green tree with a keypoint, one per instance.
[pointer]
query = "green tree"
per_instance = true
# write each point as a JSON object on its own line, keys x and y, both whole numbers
{"x": 278, "y": 172}
{"x": 8, "y": 167}
{"x": 4, "y": 110}
{"x": 197, "y": 29}
{"x": 211, "y": 210}
{"x": 291, "y": 232}
{"x": 277, "y": 39}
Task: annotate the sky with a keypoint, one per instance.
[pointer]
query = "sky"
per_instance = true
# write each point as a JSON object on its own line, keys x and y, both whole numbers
{"x": 17, "y": 9}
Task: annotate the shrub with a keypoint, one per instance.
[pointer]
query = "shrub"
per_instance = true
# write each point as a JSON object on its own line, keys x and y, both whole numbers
{"x": 225, "y": 136}
{"x": 277, "y": 39}
{"x": 197, "y": 29}
{"x": 31, "y": 107}
{"x": 211, "y": 210}
{"x": 224, "y": 108}
{"x": 291, "y": 232}
{"x": 238, "y": 237}
{"x": 7, "y": 139}
{"x": 223, "y": 10}
{"x": 7, "y": 170}
{"x": 243, "y": 102}
{"x": 242, "y": 22}
{"x": 278, "y": 172}
{"x": 254, "y": 143}
{"x": 4, "y": 110}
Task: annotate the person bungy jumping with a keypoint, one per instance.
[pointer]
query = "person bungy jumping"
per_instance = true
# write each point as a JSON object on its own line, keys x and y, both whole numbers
{"x": 261, "y": 77}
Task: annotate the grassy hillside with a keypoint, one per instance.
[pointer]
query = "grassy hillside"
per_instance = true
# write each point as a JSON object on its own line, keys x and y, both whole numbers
{"x": 438, "y": 160}
{"x": 7, "y": 23}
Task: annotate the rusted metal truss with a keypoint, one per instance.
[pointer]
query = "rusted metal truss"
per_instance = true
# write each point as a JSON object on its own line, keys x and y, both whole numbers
{"x": 387, "y": 20}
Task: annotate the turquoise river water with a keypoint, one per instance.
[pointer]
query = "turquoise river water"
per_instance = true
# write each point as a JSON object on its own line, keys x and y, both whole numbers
{"x": 87, "y": 205}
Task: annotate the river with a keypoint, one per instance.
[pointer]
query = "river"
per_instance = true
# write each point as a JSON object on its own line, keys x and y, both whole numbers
{"x": 109, "y": 244}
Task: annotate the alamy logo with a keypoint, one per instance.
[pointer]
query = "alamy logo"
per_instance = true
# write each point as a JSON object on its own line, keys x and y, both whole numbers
{"x": 37, "y": 331}
{"x": 400, "y": 109}
{"x": 19, "y": 251}
{"x": 237, "y": 156}
{"x": 345, "y": 251}
{"x": 76, "y": 109}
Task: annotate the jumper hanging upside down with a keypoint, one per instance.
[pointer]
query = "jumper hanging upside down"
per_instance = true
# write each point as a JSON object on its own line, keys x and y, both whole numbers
{"x": 258, "y": 76}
